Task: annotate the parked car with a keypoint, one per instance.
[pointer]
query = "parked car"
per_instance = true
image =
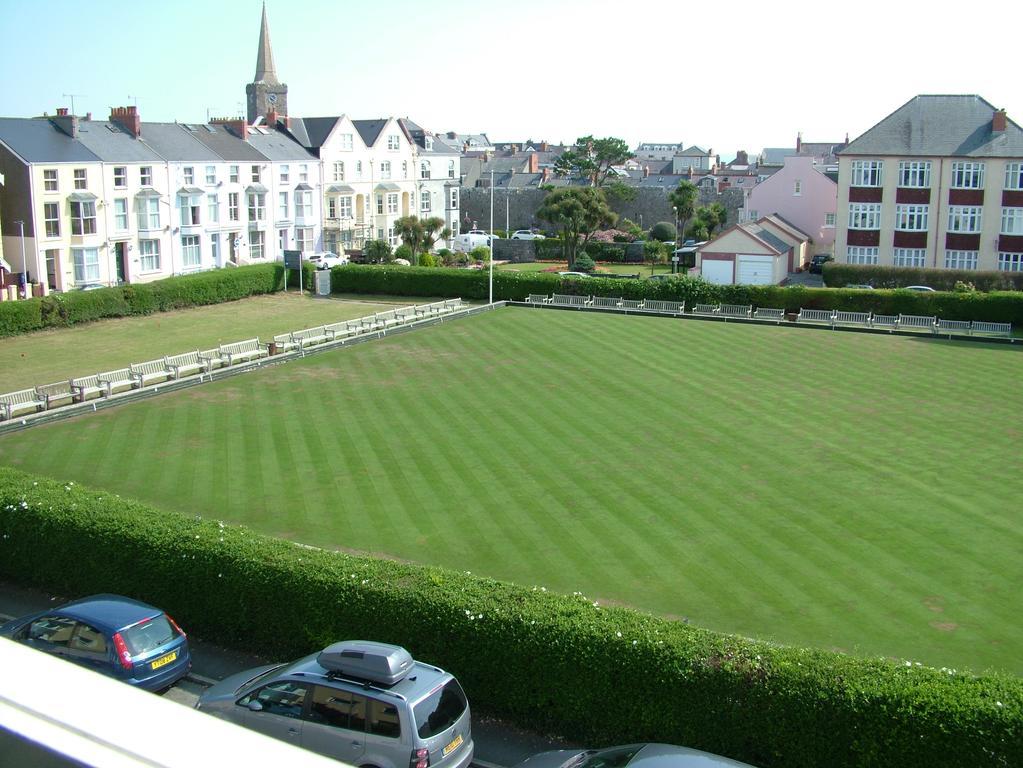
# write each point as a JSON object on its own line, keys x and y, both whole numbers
{"x": 362, "y": 702}
{"x": 90, "y": 286}
{"x": 110, "y": 634}
{"x": 327, "y": 260}
{"x": 572, "y": 275}
{"x": 474, "y": 238}
{"x": 818, "y": 261}
{"x": 922, "y": 288}
{"x": 665, "y": 276}
{"x": 632, "y": 755}
{"x": 860, "y": 286}
{"x": 526, "y": 234}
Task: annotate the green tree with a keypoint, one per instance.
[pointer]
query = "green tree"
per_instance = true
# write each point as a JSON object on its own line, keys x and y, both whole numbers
{"x": 720, "y": 214}
{"x": 654, "y": 253}
{"x": 663, "y": 231}
{"x": 420, "y": 235}
{"x": 480, "y": 253}
{"x": 378, "y": 252}
{"x": 628, "y": 225}
{"x": 698, "y": 231}
{"x": 593, "y": 159}
{"x": 576, "y": 213}
{"x": 684, "y": 198}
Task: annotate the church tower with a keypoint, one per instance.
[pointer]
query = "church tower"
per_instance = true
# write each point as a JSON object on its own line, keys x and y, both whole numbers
{"x": 265, "y": 93}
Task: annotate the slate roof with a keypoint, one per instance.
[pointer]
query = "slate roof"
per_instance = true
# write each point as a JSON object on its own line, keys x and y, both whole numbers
{"x": 230, "y": 147}
{"x": 37, "y": 140}
{"x": 940, "y": 126}
{"x": 311, "y": 132}
{"x": 693, "y": 151}
{"x": 776, "y": 155}
{"x": 369, "y": 130}
{"x": 277, "y": 146}
{"x": 111, "y": 143}
{"x": 172, "y": 141}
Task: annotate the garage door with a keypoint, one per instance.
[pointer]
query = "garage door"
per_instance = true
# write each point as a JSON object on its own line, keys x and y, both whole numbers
{"x": 717, "y": 272}
{"x": 756, "y": 270}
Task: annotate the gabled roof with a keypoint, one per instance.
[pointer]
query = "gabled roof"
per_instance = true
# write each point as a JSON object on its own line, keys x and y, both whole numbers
{"x": 276, "y": 145}
{"x": 940, "y": 126}
{"x": 370, "y": 130}
{"x": 219, "y": 139}
{"x": 111, "y": 143}
{"x": 752, "y": 231}
{"x": 776, "y": 155}
{"x": 37, "y": 140}
{"x": 311, "y": 132}
{"x": 174, "y": 142}
{"x": 766, "y": 236}
{"x": 693, "y": 151}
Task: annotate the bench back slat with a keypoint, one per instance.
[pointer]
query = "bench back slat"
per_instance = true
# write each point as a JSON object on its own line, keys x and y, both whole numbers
{"x": 706, "y": 309}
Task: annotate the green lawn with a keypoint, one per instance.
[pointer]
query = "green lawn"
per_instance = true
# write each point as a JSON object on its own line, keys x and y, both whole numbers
{"x": 52, "y": 355}
{"x": 839, "y": 490}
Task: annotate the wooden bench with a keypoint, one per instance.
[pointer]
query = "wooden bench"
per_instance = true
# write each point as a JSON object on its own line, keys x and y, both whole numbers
{"x": 309, "y": 337}
{"x": 852, "y": 318}
{"x": 185, "y": 364}
{"x": 562, "y": 300}
{"x": 212, "y": 358}
{"x": 284, "y": 342}
{"x": 22, "y": 400}
{"x": 429, "y": 310}
{"x": 918, "y": 321}
{"x": 770, "y": 315}
{"x": 453, "y": 305}
{"x": 705, "y": 309}
{"x": 885, "y": 322}
{"x": 84, "y": 386}
{"x": 816, "y": 316}
{"x": 628, "y": 304}
{"x": 240, "y": 351}
{"x": 52, "y": 393}
{"x": 111, "y": 380}
{"x": 665, "y": 307}
{"x": 735, "y": 310}
{"x": 339, "y": 330}
{"x": 149, "y": 371}
{"x": 991, "y": 329}
{"x": 405, "y": 314}
{"x": 537, "y": 298}
{"x": 607, "y": 302}
{"x": 388, "y": 319}
{"x": 950, "y": 327}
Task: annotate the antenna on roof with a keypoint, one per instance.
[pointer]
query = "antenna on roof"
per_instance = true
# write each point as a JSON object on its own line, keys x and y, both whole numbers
{"x": 134, "y": 99}
{"x": 72, "y": 97}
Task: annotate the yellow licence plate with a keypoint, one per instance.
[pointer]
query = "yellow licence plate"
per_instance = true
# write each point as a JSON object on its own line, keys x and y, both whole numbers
{"x": 165, "y": 660}
{"x": 455, "y": 744}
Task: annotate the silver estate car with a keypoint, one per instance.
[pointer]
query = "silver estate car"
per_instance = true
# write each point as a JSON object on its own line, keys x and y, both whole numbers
{"x": 366, "y": 703}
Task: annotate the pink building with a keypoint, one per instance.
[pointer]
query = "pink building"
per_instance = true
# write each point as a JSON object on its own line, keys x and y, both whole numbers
{"x": 803, "y": 194}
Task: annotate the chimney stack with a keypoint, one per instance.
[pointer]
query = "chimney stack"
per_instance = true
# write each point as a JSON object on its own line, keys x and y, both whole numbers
{"x": 998, "y": 121}
{"x": 65, "y": 122}
{"x": 741, "y": 158}
{"x": 544, "y": 146}
{"x": 534, "y": 163}
{"x": 799, "y": 142}
{"x": 545, "y": 175}
{"x": 646, "y": 171}
{"x": 236, "y": 125}
{"x": 128, "y": 118}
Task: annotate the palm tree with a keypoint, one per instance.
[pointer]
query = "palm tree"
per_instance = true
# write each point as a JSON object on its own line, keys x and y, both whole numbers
{"x": 684, "y": 200}
{"x": 420, "y": 235}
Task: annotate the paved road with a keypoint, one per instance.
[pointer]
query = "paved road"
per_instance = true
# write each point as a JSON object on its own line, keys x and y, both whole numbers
{"x": 497, "y": 743}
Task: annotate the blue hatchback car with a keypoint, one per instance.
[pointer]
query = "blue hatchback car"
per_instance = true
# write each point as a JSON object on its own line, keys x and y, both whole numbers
{"x": 113, "y": 635}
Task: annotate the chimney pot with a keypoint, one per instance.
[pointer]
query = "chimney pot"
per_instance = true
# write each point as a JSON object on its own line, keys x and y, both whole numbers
{"x": 998, "y": 121}
{"x": 61, "y": 111}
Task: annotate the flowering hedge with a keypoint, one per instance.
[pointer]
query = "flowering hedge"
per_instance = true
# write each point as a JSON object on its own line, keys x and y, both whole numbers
{"x": 554, "y": 662}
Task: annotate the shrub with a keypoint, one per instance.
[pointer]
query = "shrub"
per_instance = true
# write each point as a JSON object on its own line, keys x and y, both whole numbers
{"x": 838, "y": 275}
{"x": 663, "y": 231}
{"x": 427, "y": 260}
{"x": 378, "y": 252}
{"x": 404, "y": 252}
{"x": 447, "y": 257}
{"x": 583, "y": 262}
{"x": 543, "y": 660}
{"x": 480, "y": 253}
{"x": 963, "y": 287}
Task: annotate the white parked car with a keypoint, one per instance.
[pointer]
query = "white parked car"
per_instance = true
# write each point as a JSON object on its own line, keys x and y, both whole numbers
{"x": 474, "y": 238}
{"x": 573, "y": 275}
{"x": 326, "y": 260}
{"x": 920, "y": 288}
{"x": 526, "y": 234}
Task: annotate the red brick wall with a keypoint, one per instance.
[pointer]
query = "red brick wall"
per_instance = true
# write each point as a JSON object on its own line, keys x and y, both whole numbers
{"x": 913, "y": 196}
{"x": 966, "y": 197}
{"x": 957, "y": 241}
{"x": 910, "y": 240}
{"x": 865, "y": 194}
{"x": 864, "y": 237}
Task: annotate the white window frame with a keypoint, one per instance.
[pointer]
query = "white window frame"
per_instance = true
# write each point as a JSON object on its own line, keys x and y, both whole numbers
{"x": 233, "y": 174}
{"x": 392, "y": 203}
{"x": 1010, "y": 262}
{"x": 346, "y": 142}
{"x": 304, "y": 239}
{"x": 256, "y": 173}
{"x": 864, "y": 215}
{"x": 257, "y": 206}
{"x": 860, "y": 254}
{"x": 961, "y": 259}
{"x": 86, "y": 264}
{"x": 331, "y": 207}
{"x": 829, "y": 219}
{"x": 867, "y": 173}
{"x": 404, "y": 169}
{"x": 451, "y": 169}
{"x": 797, "y": 188}
{"x": 282, "y": 204}
{"x": 304, "y": 204}
{"x": 424, "y": 169}
{"x": 1014, "y": 176}
{"x": 212, "y": 208}
{"x": 285, "y": 172}
{"x": 149, "y": 213}
{"x": 385, "y": 169}
{"x": 915, "y": 174}
{"x": 967, "y": 219}
{"x": 393, "y": 142}
{"x": 425, "y": 201}
{"x": 51, "y": 222}
{"x": 233, "y": 203}
{"x": 191, "y": 252}
{"x": 912, "y": 217}
{"x": 50, "y": 183}
{"x": 81, "y": 176}
{"x": 453, "y": 198}
{"x": 121, "y": 214}
{"x": 190, "y": 206}
{"x": 282, "y": 239}
{"x": 344, "y": 207}
{"x": 339, "y": 170}
{"x": 120, "y": 177}
{"x": 967, "y": 175}
{"x": 303, "y": 172}
{"x": 380, "y": 205}
{"x": 1012, "y": 221}
{"x": 149, "y": 255}
{"x": 146, "y": 176}
{"x": 358, "y": 169}
{"x": 83, "y": 217}
{"x": 910, "y": 257}
{"x": 257, "y": 244}
{"x": 211, "y": 175}
{"x": 189, "y": 173}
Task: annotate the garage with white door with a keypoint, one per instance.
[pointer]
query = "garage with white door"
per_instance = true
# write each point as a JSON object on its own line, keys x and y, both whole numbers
{"x": 717, "y": 271}
{"x": 753, "y": 253}
{"x": 755, "y": 270}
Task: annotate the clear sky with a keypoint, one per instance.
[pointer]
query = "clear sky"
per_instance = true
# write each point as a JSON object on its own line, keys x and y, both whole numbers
{"x": 727, "y": 76}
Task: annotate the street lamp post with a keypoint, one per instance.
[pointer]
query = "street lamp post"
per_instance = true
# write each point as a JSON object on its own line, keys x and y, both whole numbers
{"x": 491, "y": 235}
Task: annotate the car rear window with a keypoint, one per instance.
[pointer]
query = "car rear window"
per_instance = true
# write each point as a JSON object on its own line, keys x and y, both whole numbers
{"x": 148, "y": 635}
{"x": 440, "y": 710}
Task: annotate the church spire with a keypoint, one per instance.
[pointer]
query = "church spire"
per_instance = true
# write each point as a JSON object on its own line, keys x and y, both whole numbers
{"x": 265, "y": 70}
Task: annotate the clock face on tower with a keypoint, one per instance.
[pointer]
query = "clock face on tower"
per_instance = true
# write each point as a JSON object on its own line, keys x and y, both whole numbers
{"x": 272, "y": 98}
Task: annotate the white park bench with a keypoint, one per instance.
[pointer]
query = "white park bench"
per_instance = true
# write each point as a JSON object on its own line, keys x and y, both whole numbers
{"x": 284, "y": 342}
{"x": 950, "y": 327}
{"x": 309, "y": 337}
{"x": 149, "y": 371}
{"x": 735, "y": 310}
{"x": 405, "y": 315}
{"x": 991, "y": 329}
{"x": 84, "y": 386}
{"x": 54, "y": 393}
{"x": 607, "y": 302}
{"x": 368, "y": 324}
{"x": 22, "y": 400}
{"x": 240, "y": 351}
{"x": 538, "y": 298}
{"x": 771, "y": 315}
{"x": 430, "y": 310}
{"x": 885, "y": 322}
{"x": 816, "y": 316}
{"x": 112, "y": 380}
{"x": 562, "y": 300}
{"x": 852, "y": 318}
{"x": 388, "y": 319}
{"x": 186, "y": 364}
{"x": 628, "y": 304}
{"x": 212, "y": 358}
{"x": 705, "y": 309}
{"x": 665, "y": 307}
{"x": 453, "y": 305}
{"x": 918, "y": 321}
{"x": 341, "y": 330}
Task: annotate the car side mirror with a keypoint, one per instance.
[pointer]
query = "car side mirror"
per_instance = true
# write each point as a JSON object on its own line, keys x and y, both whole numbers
{"x": 255, "y": 706}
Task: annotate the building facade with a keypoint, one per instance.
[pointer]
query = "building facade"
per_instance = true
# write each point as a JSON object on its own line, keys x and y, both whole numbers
{"x": 938, "y": 184}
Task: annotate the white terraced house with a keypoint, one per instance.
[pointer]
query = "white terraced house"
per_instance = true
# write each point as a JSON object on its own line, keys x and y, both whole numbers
{"x": 937, "y": 184}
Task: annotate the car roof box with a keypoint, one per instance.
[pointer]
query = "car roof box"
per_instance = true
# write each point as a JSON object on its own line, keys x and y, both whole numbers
{"x": 366, "y": 660}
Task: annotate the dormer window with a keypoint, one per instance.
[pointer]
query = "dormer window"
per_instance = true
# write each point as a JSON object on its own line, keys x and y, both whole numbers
{"x": 393, "y": 142}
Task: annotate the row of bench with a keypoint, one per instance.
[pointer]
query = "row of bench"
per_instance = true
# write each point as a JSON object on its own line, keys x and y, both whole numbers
{"x": 173, "y": 367}
{"x": 831, "y": 317}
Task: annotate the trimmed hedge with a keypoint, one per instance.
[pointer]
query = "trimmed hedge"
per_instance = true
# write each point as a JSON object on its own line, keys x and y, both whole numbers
{"x": 840, "y": 275}
{"x": 557, "y": 663}
{"x": 998, "y": 307}
{"x": 213, "y": 287}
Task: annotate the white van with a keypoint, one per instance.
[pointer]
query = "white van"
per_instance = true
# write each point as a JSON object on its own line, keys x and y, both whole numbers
{"x": 474, "y": 238}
